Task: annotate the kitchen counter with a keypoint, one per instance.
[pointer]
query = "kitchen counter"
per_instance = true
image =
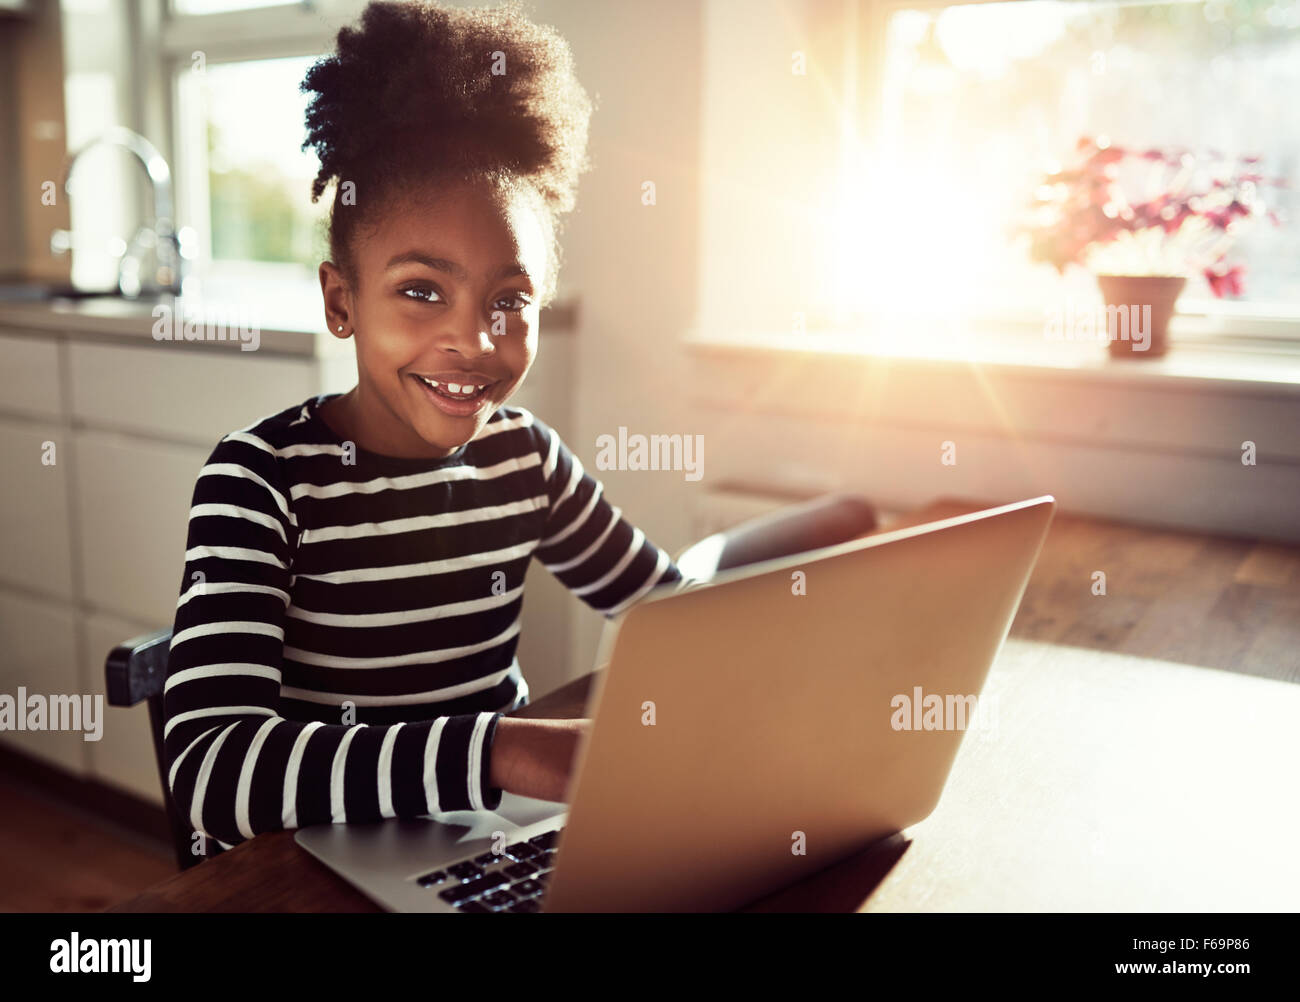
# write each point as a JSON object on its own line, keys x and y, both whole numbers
{"x": 290, "y": 325}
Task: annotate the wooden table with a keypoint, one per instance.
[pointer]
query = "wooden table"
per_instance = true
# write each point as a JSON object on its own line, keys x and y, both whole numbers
{"x": 1136, "y": 764}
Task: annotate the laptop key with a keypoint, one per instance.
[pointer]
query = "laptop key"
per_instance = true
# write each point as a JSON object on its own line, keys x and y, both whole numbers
{"x": 491, "y": 858}
{"x": 472, "y": 906}
{"x": 522, "y": 850}
{"x": 473, "y": 888}
{"x": 458, "y": 894}
{"x": 465, "y": 871}
{"x": 546, "y": 840}
{"x": 527, "y": 905}
{"x": 499, "y": 899}
{"x": 526, "y": 888}
{"x": 430, "y": 879}
{"x": 517, "y": 870}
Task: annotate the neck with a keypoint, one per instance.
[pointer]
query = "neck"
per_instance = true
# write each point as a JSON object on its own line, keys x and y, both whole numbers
{"x": 359, "y": 417}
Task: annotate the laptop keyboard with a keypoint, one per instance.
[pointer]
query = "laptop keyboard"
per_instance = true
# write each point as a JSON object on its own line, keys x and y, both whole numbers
{"x": 511, "y": 881}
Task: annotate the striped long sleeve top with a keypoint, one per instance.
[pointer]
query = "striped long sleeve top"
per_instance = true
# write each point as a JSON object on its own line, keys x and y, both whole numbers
{"x": 345, "y": 635}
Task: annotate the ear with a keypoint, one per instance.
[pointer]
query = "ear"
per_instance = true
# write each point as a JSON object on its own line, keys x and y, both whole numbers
{"x": 337, "y": 296}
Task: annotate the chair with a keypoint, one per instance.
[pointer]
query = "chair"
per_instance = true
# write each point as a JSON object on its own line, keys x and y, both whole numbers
{"x": 136, "y": 670}
{"x": 810, "y": 525}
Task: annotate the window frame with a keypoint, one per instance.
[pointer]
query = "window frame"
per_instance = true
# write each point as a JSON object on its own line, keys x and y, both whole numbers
{"x": 168, "y": 40}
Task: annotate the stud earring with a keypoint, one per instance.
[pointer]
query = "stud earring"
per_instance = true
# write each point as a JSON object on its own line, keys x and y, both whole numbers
{"x": 340, "y": 328}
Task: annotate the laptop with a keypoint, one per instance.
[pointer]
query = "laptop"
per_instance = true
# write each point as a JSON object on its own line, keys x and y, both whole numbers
{"x": 745, "y": 734}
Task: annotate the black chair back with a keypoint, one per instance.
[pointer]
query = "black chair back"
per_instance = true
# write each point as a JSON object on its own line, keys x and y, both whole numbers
{"x": 135, "y": 671}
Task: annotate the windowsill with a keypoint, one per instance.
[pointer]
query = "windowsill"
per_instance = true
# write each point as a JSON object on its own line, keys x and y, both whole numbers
{"x": 1196, "y": 360}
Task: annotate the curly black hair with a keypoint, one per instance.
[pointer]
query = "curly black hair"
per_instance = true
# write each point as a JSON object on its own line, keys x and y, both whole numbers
{"x": 419, "y": 93}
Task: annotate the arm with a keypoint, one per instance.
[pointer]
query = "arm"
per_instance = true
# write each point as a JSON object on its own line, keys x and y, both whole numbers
{"x": 588, "y": 545}
{"x": 610, "y": 565}
{"x": 534, "y": 758}
{"x": 236, "y": 768}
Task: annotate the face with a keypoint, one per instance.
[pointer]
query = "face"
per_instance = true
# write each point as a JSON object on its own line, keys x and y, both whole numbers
{"x": 445, "y": 314}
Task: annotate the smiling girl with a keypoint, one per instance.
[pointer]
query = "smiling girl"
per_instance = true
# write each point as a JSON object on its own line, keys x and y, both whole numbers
{"x": 344, "y": 642}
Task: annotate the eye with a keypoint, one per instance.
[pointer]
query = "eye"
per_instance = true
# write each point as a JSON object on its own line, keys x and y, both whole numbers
{"x": 524, "y": 302}
{"x": 420, "y": 292}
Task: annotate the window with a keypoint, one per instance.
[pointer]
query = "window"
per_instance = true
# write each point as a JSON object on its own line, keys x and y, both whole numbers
{"x": 249, "y": 176}
{"x": 975, "y": 101}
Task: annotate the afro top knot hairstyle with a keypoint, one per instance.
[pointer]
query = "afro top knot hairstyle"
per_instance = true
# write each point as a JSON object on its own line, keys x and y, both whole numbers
{"x": 420, "y": 92}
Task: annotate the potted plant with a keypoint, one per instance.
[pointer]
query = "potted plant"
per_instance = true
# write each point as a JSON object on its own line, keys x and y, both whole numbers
{"x": 1142, "y": 222}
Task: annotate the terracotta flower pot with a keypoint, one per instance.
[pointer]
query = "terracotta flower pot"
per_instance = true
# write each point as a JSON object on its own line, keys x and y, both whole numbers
{"x": 1148, "y": 301}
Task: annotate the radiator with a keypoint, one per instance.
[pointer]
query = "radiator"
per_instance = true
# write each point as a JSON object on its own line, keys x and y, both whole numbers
{"x": 729, "y": 504}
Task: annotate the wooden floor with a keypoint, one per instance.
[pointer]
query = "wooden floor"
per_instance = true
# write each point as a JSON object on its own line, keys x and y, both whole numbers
{"x": 56, "y": 858}
{"x": 1210, "y": 601}
{"x": 1213, "y": 602}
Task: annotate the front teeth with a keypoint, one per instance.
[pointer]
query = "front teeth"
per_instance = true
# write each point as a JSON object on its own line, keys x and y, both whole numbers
{"x": 466, "y": 388}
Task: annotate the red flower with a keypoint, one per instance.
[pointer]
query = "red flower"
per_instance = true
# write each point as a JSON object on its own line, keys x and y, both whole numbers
{"x": 1110, "y": 155}
{"x": 1174, "y": 223}
{"x": 1078, "y": 197}
{"x": 1229, "y": 281}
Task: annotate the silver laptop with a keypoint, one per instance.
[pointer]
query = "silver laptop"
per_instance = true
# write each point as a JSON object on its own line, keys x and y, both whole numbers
{"x": 746, "y": 734}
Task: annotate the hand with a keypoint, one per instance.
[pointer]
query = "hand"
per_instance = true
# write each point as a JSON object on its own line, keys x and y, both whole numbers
{"x": 534, "y": 757}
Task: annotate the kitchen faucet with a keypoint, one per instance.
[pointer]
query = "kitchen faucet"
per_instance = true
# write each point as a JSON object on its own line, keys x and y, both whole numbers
{"x": 172, "y": 248}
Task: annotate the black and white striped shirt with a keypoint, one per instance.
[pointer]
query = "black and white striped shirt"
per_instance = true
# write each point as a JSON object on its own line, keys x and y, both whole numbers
{"x": 345, "y": 636}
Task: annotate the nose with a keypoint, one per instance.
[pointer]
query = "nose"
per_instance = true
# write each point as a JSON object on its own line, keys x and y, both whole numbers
{"x": 468, "y": 336}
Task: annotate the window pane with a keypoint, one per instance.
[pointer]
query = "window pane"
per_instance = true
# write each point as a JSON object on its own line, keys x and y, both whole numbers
{"x": 978, "y": 100}
{"x": 221, "y": 6}
{"x": 258, "y": 177}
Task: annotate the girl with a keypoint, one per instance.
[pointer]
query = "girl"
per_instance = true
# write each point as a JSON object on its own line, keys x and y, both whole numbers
{"x": 344, "y": 641}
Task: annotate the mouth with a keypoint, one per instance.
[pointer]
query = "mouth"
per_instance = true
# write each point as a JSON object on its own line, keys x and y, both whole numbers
{"x": 455, "y": 399}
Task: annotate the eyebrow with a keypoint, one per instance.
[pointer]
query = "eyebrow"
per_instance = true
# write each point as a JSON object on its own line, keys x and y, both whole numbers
{"x": 452, "y": 268}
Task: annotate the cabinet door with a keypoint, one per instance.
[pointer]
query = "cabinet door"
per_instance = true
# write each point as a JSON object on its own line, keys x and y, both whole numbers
{"x": 124, "y": 756}
{"x": 132, "y": 514}
{"x": 35, "y": 550}
{"x": 38, "y": 641}
{"x": 29, "y": 379}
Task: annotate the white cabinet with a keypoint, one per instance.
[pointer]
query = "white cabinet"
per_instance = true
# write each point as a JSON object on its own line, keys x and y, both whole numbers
{"x": 92, "y": 548}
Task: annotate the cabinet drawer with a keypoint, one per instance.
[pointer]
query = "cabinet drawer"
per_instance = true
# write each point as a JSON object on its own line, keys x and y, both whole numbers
{"x": 180, "y": 391}
{"x": 35, "y": 550}
{"x": 29, "y": 378}
{"x": 40, "y": 654}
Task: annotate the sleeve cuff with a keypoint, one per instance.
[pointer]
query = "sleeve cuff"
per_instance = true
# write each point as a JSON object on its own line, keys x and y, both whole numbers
{"x": 483, "y": 795}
